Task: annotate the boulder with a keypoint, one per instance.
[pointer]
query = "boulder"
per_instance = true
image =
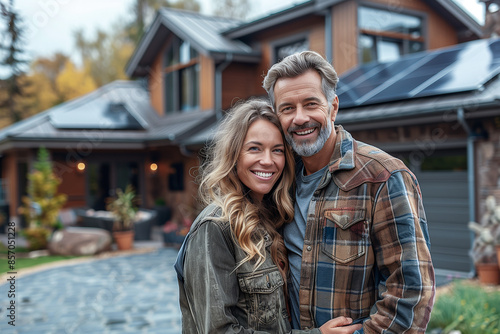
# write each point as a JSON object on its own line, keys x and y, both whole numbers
{"x": 74, "y": 241}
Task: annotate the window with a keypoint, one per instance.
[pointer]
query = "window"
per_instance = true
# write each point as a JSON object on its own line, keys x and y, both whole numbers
{"x": 286, "y": 47}
{"x": 181, "y": 78}
{"x": 386, "y": 36}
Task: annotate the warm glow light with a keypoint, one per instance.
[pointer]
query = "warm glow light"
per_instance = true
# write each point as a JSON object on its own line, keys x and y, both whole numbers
{"x": 81, "y": 166}
{"x": 153, "y": 167}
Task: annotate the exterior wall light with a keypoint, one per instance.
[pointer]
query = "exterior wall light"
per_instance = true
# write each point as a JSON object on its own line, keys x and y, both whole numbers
{"x": 81, "y": 166}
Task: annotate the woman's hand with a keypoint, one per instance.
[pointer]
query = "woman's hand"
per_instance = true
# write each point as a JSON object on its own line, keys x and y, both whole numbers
{"x": 339, "y": 325}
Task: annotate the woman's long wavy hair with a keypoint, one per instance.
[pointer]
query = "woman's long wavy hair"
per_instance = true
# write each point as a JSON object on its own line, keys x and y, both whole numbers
{"x": 219, "y": 184}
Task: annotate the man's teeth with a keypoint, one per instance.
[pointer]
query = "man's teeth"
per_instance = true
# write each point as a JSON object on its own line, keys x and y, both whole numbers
{"x": 263, "y": 174}
{"x": 306, "y": 132}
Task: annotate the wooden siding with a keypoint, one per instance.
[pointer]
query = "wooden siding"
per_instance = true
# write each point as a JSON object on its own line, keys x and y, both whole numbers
{"x": 345, "y": 36}
{"x": 207, "y": 83}
{"x": 72, "y": 183}
{"x": 312, "y": 26}
{"x": 157, "y": 184}
{"x": 239, "y": 81}
{"x": 156, "y": 84}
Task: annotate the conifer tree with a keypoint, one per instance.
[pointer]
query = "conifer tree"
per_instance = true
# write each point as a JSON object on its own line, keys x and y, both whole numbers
{"x": 12, "y": 62}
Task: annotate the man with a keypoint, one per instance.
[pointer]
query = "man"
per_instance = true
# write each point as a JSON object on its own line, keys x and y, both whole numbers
{"x": 358, "y": 246}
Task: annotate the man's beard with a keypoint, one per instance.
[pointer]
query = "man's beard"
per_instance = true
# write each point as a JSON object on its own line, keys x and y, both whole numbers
{"x": 309, "y": 149}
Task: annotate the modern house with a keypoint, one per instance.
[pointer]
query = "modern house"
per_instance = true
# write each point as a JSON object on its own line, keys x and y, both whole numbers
{"x": 418, "y": 79}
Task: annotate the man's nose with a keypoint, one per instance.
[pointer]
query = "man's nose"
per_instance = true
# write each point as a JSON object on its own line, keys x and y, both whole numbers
{"x": 301, "y": 116}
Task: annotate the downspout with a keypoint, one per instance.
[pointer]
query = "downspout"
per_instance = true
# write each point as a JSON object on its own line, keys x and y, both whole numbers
{"x": 470, "y": 175}
{"x": 218, "y": 84}
{"x": 328, "y": 35}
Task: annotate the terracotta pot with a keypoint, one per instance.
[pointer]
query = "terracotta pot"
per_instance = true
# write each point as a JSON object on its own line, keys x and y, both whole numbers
{"x": 488, "y": 273}
{"x": 124, "y": 239}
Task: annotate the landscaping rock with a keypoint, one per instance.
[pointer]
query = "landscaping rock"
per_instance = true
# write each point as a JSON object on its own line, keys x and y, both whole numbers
{"x": 74, "y": 241}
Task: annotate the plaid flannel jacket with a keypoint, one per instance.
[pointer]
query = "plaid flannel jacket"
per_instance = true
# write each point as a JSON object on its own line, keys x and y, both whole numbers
{"x": 367, "y": 250}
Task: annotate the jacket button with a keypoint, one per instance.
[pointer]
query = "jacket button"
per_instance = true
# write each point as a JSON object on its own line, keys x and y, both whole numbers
{"x": 309, "y": 248}
{"x": 268, "y": 284}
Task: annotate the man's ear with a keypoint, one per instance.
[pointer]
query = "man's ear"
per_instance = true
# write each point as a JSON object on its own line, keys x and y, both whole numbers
{"x": 335, "y": 108}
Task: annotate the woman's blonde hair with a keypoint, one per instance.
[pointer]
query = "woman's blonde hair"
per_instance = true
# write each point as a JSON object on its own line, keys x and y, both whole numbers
{"x": 220, "y": 184}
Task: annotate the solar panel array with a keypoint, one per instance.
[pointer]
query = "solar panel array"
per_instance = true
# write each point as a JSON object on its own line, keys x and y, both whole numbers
{"x": 460, "y": 68}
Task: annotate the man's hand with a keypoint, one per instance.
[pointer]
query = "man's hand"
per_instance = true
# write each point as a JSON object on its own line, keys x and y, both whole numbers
{"x": 339, "y": 325}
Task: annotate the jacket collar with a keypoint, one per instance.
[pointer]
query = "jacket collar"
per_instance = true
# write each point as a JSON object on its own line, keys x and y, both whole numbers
{"x": 343, "y": 157}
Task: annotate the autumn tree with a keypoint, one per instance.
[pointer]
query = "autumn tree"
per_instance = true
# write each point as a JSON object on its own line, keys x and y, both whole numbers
{"x": 13, "y": 86}
{"x": 43, "y": 75}
{"x": 144, "y": 11}
{"x": 237, "y": 9}
{"x": 73, "y": 82}
{"x": 105, "y": 56}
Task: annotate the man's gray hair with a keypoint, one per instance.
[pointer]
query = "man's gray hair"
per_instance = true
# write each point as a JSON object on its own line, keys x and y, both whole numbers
{"x": 297, "y": 64}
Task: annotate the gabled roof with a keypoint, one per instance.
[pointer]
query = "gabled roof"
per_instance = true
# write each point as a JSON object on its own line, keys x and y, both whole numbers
{"x": 448, "y": 9}
{"x": 203, "y": 32}
{"x": 117, "y": 115}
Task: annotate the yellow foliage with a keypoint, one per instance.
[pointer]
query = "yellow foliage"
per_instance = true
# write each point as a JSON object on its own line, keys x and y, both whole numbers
{"x": 42, "y": 92}
{"x": 73, "y": 82}
{"x": 41, "y": 206}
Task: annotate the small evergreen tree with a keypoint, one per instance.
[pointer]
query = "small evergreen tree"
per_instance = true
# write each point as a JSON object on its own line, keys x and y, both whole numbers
{"x": 41, "y": 206}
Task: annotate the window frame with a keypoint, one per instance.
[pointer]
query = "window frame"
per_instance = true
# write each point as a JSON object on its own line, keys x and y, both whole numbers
{"x": 174, "y": 73}
{"x": 401, "y": 39}
{"x": 289, "y": 40}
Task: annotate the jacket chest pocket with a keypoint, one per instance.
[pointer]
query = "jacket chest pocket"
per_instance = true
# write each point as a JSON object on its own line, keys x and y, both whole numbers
{"x": 264, "y": 291}
{"x": 345, "y": 234}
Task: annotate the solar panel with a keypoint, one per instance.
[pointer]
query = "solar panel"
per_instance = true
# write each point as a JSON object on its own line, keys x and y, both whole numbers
{"x": 463, "y": 67}
{"x": 97, "y": 114}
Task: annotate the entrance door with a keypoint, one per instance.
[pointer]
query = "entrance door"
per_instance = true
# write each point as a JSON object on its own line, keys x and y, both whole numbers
{"x": 106, "y": 177}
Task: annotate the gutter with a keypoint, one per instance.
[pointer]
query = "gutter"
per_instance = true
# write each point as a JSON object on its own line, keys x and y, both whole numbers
{"x": 218, "y": 84}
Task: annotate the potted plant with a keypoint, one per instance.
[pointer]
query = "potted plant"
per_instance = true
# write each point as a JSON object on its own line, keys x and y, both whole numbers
{"x": 486, "y": 240}
{"x": 123, "y": 210}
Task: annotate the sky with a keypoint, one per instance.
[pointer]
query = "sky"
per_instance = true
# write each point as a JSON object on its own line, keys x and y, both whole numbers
{"x": 51, "y": 23}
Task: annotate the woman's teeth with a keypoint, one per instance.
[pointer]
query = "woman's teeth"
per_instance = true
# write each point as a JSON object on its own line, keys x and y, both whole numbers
{"x": 261, "y": 174}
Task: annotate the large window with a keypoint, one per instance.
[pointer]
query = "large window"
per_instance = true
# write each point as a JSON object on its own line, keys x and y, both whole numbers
{"x": 386, "y": 36}
{"x": 290, "y": 45}
{"x": 181, "y": 77}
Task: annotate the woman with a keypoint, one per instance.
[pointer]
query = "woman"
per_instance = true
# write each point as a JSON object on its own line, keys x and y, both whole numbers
{"x": 232, "y": 267}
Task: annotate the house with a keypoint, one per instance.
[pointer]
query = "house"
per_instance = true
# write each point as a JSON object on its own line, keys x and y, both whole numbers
{"x": 190, "y": 68}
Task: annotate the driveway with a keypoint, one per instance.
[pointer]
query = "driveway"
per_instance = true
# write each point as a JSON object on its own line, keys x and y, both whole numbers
{"x": 120, "y": 294}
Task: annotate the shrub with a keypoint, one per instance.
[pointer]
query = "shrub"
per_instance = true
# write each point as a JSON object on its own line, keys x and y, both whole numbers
{"x": 469, "y": 308}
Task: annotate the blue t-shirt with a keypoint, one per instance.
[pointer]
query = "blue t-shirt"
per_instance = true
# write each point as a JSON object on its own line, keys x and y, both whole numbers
{"x": 294, "y": 234}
